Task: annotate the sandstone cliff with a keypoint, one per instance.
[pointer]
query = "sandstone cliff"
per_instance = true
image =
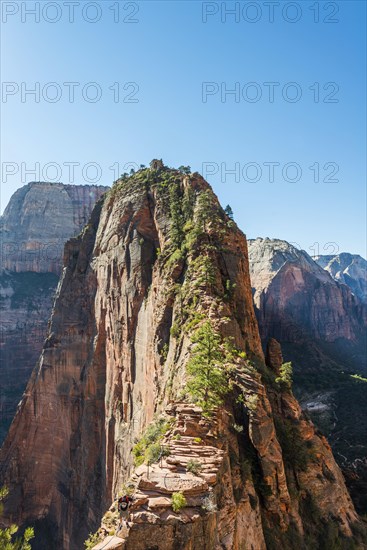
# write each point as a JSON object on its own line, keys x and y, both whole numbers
{"x": 281, "y": 277}
{"x": 159, "y": 258}
{"x": 38, "y": 220}
{"x": 349, "y": 269}
{"x": 321, "y": 326}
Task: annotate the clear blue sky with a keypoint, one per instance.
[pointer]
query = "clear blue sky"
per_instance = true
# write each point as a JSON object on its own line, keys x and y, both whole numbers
{"x": 169, "y": 53}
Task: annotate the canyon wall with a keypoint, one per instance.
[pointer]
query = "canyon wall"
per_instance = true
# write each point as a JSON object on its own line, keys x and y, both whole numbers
{"x": 321, "y": 326}
{"x": 38, "y": 220}
{"x": 159, "y": 258}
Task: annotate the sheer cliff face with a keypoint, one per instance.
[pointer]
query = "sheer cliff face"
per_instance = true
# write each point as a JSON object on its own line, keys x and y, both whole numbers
{"x": 25, "y": 307}
{"x": 116, "y": 355}
{"x": 37, "y": 222}
{"x": 282, "y": 277}
{"x": 349, "y": 269}
{"x": 321, "y": 326}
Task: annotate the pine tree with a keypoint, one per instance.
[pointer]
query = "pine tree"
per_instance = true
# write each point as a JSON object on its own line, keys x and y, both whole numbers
{"x": 208, "y": 382}
{"x": 204, "y": 272}
{"x": 185, "y": 169}
{"x": 204, "y": 209}
{"x": 228, "y": 210}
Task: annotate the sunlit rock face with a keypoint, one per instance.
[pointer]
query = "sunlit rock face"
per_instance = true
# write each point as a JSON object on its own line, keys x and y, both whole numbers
{"x": 39, "y": 219}
{"x": 321, "y": 324}
{"x": 294, "y": 296}
{"x": 159, "y": 257}
{"x": 349, "y": 269}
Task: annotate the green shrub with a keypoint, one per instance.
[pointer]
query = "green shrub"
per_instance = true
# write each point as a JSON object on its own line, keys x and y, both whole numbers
{"x": 175, "y": 330}
{"x": 237, "y": 427}
{"x": 91, "y": 541}
{"x": 178, "y": 501}
{"x": 7, "y": 541}
{"x": 177, "y": 256}
{"x": 251, "y": 402}
{"x": 153, "y": 453}
{"x": 229, "y": 290}
{"x": 149, "y": 448}
{"x": 164, "y": 352}
{"x": 285, "y": 377}
{"x": 193, "y": 466}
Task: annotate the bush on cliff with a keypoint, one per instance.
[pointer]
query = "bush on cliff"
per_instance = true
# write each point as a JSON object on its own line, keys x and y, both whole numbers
{"x": 285, "y": 377}
{"x": 7, "y": 541}
{"x": 178, "y": 501}
{"x": 149, "y": 449}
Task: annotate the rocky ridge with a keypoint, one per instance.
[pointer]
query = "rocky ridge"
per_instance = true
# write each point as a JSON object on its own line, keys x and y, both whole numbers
{"x": 157, "y": 259}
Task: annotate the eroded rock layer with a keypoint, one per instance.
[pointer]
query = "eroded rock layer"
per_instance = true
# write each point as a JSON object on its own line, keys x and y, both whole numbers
{"x": 158, "y": 258}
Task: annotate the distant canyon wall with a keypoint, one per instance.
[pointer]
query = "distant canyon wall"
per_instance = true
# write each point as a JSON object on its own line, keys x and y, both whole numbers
{"x": 37, "y": 222}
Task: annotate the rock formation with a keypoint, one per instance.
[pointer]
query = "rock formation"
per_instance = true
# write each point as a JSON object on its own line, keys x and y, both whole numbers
{"x": 38, "y": 220}
{"x": 281, "y": 277}
{"x": 321, "y": 326}
{"x": 158, "y": 260}
{"x": 349, "y": 269}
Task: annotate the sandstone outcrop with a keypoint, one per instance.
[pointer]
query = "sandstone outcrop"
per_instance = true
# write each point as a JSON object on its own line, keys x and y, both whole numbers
{"x": 157, "y": 258}
{"x": 38, "y": 220}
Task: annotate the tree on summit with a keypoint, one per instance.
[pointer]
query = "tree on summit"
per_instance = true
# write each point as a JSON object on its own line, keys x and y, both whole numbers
{"x": 185, "y": 169}
{"x": 228, "y": 210}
